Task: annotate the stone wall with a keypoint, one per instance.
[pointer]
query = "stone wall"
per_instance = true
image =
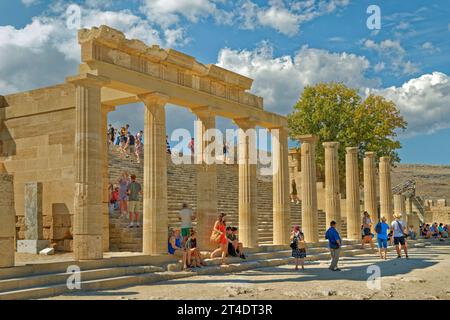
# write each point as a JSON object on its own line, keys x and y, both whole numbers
{"x": 38, "y": 146}
{"x": 7, "y": 220}
{"x": 437, "y": 211}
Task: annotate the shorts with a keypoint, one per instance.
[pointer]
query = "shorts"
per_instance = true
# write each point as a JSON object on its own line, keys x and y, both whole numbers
{"x": 382, "y": 243}
{"x": 131, "y": 149}
{"x": 133, "y": 206}
{"x": 186, "y": 232}
{"x": 399, "y": 240}
{"x": 231, "y": 250}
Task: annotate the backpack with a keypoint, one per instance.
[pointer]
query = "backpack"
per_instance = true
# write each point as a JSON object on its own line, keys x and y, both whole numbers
{"x": 131, "y": 140}
{"x": 378, "y": 227}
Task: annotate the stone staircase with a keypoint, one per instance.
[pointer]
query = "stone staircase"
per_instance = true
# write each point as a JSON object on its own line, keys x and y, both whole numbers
{"x": 49, "y": 279}
{"x": 182, "y": 184}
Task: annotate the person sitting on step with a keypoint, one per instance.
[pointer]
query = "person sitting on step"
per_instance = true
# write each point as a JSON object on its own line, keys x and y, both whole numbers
{"x": 194, "y": 259}
{"x": 239, "y": 247}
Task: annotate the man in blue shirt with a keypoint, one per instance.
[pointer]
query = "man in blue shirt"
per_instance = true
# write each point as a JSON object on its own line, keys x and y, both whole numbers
{"x": 382, "y": 229}
{"x": 334, "y": 243}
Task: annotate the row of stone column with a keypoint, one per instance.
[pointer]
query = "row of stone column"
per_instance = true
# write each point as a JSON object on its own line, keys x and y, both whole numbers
{"x": 332, "y": 188}
{"x": 91, "y": 176}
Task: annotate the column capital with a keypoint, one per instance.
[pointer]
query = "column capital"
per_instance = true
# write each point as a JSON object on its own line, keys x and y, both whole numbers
{"x": 107, "y": 108}
{"x": 351, "y": 150}
{"x": 88, "y": 80}
{"x": 385, "y": 159}
{"x": 203, "y": 112}
{"x": 153, "y": 98}
{"x": 369, "y": 154}
{"x": 331, "y": 144}
{"x": 308, "y": 138}
{"x": 245, "y": 123}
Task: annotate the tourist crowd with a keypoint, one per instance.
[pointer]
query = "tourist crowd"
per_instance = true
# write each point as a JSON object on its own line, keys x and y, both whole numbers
{"x": 183, "y": 242}
{"x": 125, "y": 197}
{"x": 127, "y": 144}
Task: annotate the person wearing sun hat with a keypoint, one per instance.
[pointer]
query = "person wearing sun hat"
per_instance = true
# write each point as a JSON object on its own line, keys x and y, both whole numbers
{"x": 399, "y": 235}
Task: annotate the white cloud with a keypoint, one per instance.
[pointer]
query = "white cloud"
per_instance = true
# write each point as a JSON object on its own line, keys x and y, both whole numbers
{"x": 379, "y": 67}
{"x": 284, "y": 16}
{"x": 280, "y": 19}
{"x": 44, "y": 52}
{"x": 428, "y": 46}
{"x": 423, "y": 101}
{"x": 280, "y": 80}
{"x": 168, "y": 12}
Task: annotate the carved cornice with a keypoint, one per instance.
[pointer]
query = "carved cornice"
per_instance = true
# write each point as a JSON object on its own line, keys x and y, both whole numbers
{"x": 108, "y": 45}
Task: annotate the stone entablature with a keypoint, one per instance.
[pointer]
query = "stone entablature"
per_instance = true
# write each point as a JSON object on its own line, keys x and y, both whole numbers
{"x": 111, "y": 46}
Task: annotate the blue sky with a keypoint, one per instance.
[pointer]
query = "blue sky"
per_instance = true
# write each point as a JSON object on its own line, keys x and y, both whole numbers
{"x": 283, "y": 44}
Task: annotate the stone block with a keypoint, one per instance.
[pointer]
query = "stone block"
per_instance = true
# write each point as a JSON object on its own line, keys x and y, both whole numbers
{"x": 32, "y": 246}
{"x": 33, "y": 210}
{"x": 47, "y": 234}
{"x": 47, "y": 252}
{"x": 60, "y": 233}
{"x": 62, "y": 220}
{"x": 47, "y": 221}
{"x": 68, "y": 245}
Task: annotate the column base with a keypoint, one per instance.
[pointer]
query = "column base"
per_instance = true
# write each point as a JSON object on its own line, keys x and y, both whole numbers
{"x": 88, "y": 247}
{"x": 32, "y": 246}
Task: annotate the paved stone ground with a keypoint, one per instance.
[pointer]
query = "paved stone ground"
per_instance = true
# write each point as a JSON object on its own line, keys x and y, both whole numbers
{"x": 426, "y": 275}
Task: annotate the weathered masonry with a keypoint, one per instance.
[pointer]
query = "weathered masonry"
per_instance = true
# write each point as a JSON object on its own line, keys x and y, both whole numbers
{"x": 55, "y": 136}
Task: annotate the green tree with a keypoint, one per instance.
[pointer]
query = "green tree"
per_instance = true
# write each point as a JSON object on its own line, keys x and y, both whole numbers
{"x": 334, "y": 112}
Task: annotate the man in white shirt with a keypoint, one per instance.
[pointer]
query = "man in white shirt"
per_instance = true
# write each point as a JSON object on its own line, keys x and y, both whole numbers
{"x": 399, "y": 231}
{"x": 186, "y": 216}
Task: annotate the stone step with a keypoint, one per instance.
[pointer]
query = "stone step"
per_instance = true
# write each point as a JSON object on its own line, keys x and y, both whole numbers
{"x": 55, "y": 278}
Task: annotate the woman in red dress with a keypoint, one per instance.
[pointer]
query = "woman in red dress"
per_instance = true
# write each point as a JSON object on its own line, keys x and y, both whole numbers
{"x": 220, "y": 226}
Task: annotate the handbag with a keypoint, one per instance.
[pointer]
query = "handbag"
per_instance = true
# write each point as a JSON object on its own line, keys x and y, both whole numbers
{"x": 215, "y": 236}
{"x": 301, "y": 244}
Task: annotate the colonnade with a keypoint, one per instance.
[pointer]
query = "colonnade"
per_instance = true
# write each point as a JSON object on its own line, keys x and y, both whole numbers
{"x": 332, "y": 188}
{"x": 90, "y": 221}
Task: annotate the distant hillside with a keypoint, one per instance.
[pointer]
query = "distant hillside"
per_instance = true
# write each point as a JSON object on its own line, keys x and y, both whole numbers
{"x": 431, "y": 181}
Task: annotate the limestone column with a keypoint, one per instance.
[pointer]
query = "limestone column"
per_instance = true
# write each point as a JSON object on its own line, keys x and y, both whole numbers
{"x": 385, "y": 189}
{"x": 105, "y": 195}
{"x": 370, "y": 193}
{"x": 155, "y": 213}
{"x": 206, "y": 177}
{"x": 332, "y": 189}
{"x": 7, "y": 218}
{"x": 409, "y": 210}
{"x": 309, "y": 188}
{"x": 88, "y": 216}
{"x": 353, "y": 196}
{"x": 281, "y": 184}
{"x": 248, "y": 214}
{"x": 399, "y": 206}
